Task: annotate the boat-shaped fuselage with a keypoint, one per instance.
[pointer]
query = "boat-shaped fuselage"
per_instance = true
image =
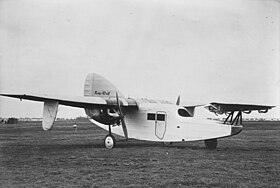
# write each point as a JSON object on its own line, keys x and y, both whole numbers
{"x": 165, "y": 122}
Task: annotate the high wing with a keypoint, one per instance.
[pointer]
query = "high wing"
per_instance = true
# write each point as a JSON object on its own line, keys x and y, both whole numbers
{"x": 221, "y": 108}
{"x": 51, "y": 104}
{"x": 76, "y": 101}
{"x": 230, "y": 109}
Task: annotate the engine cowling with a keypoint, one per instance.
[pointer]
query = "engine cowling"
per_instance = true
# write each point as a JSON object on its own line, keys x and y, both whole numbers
{"x": 106, "y": 116}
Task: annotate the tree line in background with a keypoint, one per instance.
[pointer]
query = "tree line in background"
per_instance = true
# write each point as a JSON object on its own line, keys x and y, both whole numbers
{"x": 13, "y": 120}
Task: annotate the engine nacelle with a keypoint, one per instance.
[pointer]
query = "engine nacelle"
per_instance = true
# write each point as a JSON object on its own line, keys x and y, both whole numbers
{"x": 247, "y": 111}
{"x": 107, "y": 116}
{"x": 263, "y": 111}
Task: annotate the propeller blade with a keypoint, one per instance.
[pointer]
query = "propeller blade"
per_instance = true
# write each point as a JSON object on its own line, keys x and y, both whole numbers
{"x": 121, "y": 117}
{"x": 118, "y": 104}
{"x": 178, "y": 101}
{"x": 124, "y": 128}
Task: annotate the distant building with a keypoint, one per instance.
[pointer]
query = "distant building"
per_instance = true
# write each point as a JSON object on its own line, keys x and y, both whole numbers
{"x": 12, "y": 121}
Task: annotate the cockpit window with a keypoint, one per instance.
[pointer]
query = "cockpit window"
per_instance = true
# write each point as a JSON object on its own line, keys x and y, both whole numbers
{"x": 183, "y": 113}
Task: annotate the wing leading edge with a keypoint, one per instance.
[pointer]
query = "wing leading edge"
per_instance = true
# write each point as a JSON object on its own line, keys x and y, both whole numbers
{"x": 77, "y": 101}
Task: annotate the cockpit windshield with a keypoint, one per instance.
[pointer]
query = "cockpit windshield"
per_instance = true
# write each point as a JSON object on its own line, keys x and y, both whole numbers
{"x": 183, "y": 113}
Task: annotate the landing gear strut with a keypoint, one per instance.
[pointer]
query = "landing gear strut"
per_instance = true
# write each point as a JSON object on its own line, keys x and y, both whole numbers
{"x": 237, "y": 120}
{"x": 110, "y": 141}
{"x": 211, "y": 143}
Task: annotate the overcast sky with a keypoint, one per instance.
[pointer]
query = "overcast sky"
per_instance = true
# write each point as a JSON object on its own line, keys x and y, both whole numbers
{"x": 218, "y": 50}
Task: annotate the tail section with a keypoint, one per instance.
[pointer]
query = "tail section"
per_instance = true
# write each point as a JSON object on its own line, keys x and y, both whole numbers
{"x": 98, "y": 86}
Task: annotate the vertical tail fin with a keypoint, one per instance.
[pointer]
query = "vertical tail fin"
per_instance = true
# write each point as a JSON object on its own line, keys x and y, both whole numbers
{"x": 98, "y": 86}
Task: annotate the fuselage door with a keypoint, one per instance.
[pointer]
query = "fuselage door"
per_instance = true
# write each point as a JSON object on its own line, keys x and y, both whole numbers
{"x": 160, "y": 124}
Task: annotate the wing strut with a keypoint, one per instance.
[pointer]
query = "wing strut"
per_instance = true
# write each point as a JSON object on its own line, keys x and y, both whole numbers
{"x": 234, "y": 120}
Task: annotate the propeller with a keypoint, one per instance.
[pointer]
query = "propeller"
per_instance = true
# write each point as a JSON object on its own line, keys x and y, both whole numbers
{"x": 121, "y": 117}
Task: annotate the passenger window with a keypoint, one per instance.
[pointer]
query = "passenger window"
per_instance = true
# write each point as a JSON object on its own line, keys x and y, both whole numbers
{"x": 183, "y": 113}
{"x": 161, "y": 117}
{"x": 151, "y": 116}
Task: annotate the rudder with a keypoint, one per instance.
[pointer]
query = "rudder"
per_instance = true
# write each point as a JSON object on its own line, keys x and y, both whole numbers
{"x": 98, "y": 86}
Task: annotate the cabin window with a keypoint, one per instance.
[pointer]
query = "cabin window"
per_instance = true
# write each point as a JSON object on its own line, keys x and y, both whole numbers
{"x": 151, "y": 116}
{"x": 161, "y": 117}
{"x": 183, "y": 113}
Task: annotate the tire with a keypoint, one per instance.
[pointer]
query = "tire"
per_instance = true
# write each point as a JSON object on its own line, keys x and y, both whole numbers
{"x": 110, "y": 142}
{"x": 211, "y": 143}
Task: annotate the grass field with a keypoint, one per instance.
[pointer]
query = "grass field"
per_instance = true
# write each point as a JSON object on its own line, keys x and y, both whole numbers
{"x": 63, "y": 157}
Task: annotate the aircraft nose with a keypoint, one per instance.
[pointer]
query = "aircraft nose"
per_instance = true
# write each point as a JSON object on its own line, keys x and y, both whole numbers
{"x": 236, "y": 129}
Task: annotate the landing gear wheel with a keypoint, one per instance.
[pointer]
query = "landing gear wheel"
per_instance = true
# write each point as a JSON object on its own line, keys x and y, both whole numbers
{"x": 110, "y": 141}
{"x": 211, "y": 143}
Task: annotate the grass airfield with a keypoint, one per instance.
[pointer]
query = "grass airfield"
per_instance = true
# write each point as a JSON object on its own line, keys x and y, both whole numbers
{"x": 63, "y": 157}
